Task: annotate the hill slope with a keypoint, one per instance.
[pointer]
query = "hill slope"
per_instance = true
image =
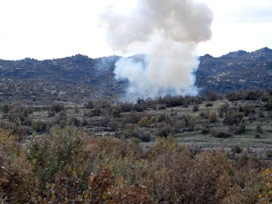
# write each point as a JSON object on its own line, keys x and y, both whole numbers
{"x": 235, "y": 71}
{"x": 79, "y": 78}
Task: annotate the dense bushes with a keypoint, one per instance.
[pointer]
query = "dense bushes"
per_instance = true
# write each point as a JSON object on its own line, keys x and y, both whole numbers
{"x": 67, "y": 166}
{"x": 246, "y": 95}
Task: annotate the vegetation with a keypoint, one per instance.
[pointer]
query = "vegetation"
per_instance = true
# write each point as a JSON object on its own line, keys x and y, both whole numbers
{"x": 166, "y": 150}
{"x": 70, "y": 166}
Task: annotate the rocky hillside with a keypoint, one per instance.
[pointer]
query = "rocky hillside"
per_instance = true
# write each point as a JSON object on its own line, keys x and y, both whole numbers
{"x": 235, "y": 71}
{"x": 78, "y": 78}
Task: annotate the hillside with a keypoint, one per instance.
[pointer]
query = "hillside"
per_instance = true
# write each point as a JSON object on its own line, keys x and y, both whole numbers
{"x": 78, "y": 78}
{"x": 235, "y": 71}
{"x": 74, "y": 79}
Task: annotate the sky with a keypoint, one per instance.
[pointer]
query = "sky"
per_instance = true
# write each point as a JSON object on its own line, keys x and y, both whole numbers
{"x": 46, "y": 29}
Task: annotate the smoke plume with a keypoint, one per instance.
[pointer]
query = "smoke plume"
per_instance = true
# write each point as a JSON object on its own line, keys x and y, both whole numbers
{"x": 168, "y": 31}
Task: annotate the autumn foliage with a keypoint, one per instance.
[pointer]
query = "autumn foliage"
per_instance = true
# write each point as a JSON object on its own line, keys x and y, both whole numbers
{"x": 69, "y": 166}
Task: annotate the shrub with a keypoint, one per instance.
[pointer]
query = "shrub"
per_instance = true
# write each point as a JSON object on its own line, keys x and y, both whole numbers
{"x": 235, "y": 96}
{"x": 75, "y": 122}
{"x": 164, "y": 131}
{"x": 113, "y": 125}
{"x": 138, "y": 108}
{"x": 221, "y": 134}
{"x": 39, "y": 126}
{"x": 204, "y": 115}
{"x": 247, "y": 109}
{"x": 115, "y": 112}
{"x": 259, "y": 129}
{"x": 144, "y": 137}
{"x": 89, "y": 105}
{"x": 265, "y": 196}
{"x": 50, "y": 155}
{"x": 18, "y": 183}
{"x": 205, "y": 131}
{"x": 19, "y": 114}
{"x": 5, "y": 109}
{"x": 212, "y": 117}
{"x": 95, "y": 112}
{"x": 208, "y": 104}
{"x": 126, "y": 107}
{"x": 61, "y": 119}
{"x": 240, "y": 129}
{"x": 144, "y": 122}
{"x": 233, "y": 118}
{"x": 268, "y": 105}
{"x": 237, "y": 149}
{"x": 195, "y": 108}
{"x": 212, "y": 96}
{"x": 164, "y": 118}
{"x": 189, "y": 122}
{"x": 132, "y": 118}
{"x": 261, "y": 114}
{"x": 223, "y": 109}
{"x": 57, "y": 108}
{"x": 253, "y": 95}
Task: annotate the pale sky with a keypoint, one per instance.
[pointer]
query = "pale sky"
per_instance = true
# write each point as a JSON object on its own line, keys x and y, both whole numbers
{"x": 45, "y": 29}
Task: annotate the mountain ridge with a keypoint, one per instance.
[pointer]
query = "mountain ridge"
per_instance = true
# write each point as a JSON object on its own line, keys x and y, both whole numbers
{"x": 79, "y": 78}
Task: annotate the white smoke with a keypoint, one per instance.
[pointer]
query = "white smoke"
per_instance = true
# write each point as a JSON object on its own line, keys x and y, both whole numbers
{"x": 169, "y": 31}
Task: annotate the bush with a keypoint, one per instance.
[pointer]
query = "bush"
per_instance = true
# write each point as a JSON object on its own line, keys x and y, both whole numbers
{"x": 208, "y": 104}
{"x": 115, "y": 112}
{"x": 57, "y": 108}
{"x": 113, "y": 125}
{"x": 268, "y": 105}
{"x": 164, "y": 131}
{"x": 95, "y": 112}
{"x": 5, "y": 109}
{"x": 18, "y": 183}
{"x": 132, "y": 118}
{"x": 238, "y": 129}
{"x": 144, "y": 137}
{"x": 189, "y": 122}
{"x": 259, "y": 129}
{"x": 53, "y": 153}
{"x": 19, "y": 114}
{"x": 195, "y": 108}
{"x": 247, "y": 109}
{"x": 237, "y": 149}
{"x": 145, "y": 122}
{"x": 241, "y": 129}
{"x": 235, "y": 96}
{"x": 212, "y": 96}
{"x": 205, "y": 131}
{"x": 223, "y": 109}
{"x": 212, "y": 118}
{"x": 39, "y": 126}
{"x": 126, "y": 107}
{"x": 204, "y": 115}
{"x": 89, "y": 105}
{"x": 164, "y": 118}
{"x": 75, "y": 122}
{"x": 221, "y": 134}
{"x": 253, "y": 95}
{"x": 233, "y": 118}
{"x": 138, "y": 108}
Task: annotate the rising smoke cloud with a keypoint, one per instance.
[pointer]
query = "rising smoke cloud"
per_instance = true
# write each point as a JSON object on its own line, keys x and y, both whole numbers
{"x": 169, "y": 32}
